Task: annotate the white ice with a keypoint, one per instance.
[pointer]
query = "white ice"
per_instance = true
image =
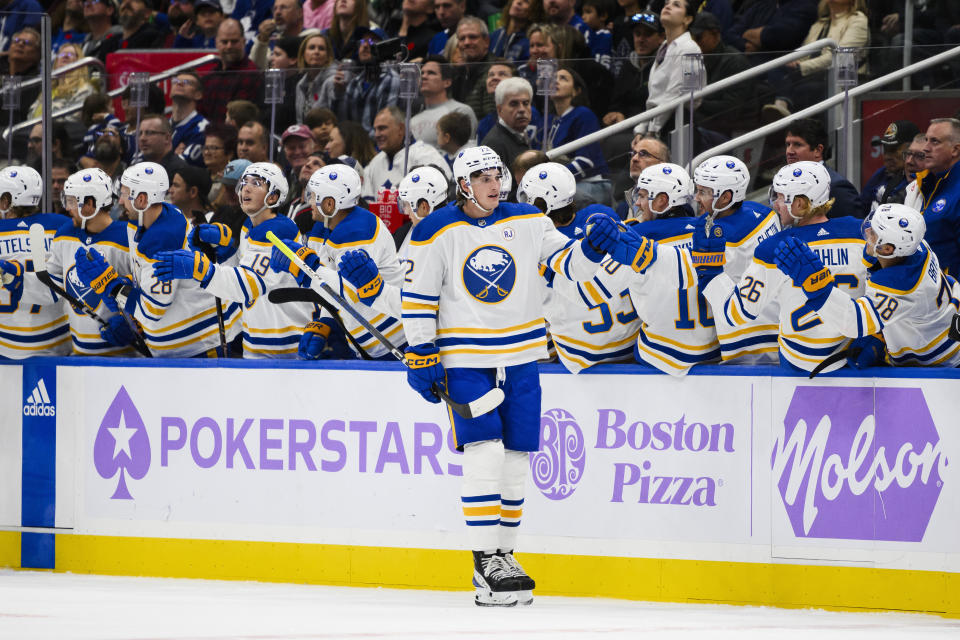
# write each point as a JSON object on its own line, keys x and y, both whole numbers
{"x": 40, "y": 605}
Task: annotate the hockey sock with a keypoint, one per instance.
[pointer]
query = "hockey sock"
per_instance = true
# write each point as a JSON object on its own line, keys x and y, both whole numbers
{"x": 480, "y": 493}
{"x": 512, "y": 483}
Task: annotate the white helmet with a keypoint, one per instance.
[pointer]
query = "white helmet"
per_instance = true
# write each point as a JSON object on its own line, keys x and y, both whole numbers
{"x": 896, "y": 224}
{"x": 552, "y": 182}
{"x": 23, "y": 184}
{"x": 721, "y": 174}
{"x": 88, "y": 183}
{"x": 804, "y": 178}
{"x": 338, "y": 181}
{"x": 149, "y": 178}
{"x": 668, "y": 178}
{"x": 423, "y": 183}
{"x": 506, "y": 182}
{"x": 470, "y": 161}
{"x": 276, "y": 183}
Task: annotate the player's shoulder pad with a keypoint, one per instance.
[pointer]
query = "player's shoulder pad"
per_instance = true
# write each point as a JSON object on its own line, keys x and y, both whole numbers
{"x": 745, "y": 221}
{"x": 115, "y": 233}
{"x": 66, "y": 231}
{"x": 903, "y": 277}
{"x": 431, "y": 226}
{"x": 282, "y": 226}
{"x": 167, "y": 233}
{"x": 318, "y": 232}
{"x": 358, "y": 227}
{"x": 511, "y": 209}
{"x": 661, "y": 229}
{"x": 591, "y": 209}
{"x": 50, "y": 221}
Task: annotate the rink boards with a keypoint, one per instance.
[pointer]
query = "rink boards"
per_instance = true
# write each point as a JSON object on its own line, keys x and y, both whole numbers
{"x": 735, "y": 484}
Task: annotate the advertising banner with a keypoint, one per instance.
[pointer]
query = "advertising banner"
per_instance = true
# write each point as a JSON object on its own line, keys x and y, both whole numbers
{"x": 121, "y": 64}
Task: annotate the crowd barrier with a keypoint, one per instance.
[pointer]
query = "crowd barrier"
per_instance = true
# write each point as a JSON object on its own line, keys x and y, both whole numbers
{"x": 734, "y": 484}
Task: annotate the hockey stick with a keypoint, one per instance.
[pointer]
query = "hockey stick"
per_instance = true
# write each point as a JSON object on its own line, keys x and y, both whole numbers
{"x": 211, "y": 252}
{"x": 955, "y": 328}
{"x": 848, "y": 353}
{"x": 484, "y": 404}
{"x": 38, "y": 254}
{"x": 296, "y": 294}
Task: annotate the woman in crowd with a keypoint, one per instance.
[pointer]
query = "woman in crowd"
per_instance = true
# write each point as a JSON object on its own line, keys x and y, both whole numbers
{"x": 219, "y": 148}
{"x": 510, "y": 40}
{"x": 285, "y": 56}
{"x": 350, "y": 139}
{"x": 69, "y": 89}
{"x": 545, "y": 41}
{"x": 351, "y": 20}
{"x": 313, "y": 60}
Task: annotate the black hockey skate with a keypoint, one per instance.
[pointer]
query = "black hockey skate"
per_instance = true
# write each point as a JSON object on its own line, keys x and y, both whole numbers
{"x": 494, "y": 580}
{"x": 525, "y": 584}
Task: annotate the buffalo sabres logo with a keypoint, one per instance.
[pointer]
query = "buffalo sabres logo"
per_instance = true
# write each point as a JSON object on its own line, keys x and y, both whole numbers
{"x": 939, "y": 205}
{"x": 80, "y": 291}
{"x": 489, "y": 274}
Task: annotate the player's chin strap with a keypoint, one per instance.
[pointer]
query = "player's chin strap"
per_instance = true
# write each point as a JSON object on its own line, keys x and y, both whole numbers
{"x": 470, "y": 198}
{"x": 716, "y": 199}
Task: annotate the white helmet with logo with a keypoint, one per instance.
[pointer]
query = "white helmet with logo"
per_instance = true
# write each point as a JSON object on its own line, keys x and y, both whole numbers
{"x": 148, "y": 178}
{"x": 722, "y": 174}
{"x": 897, "y": 225}
{"x": 338, "y": 181}
{"x": 276, "y": 183}
{"x": 550, "y": 181}
{"x": 23, "y": 184}
{"x": 88, "y": 183}
{"x": 668, "y": 178}
{"x": 423, "y": 183}
{"x": 468, "y": 162}
{"x": 804, "y": 178}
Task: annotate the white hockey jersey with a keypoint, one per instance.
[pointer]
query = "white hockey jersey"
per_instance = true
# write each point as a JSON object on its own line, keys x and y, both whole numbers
{"x": 475, "y": 289}
{"x": 911, "y": 304}
{"x": 37, "y": 324}
{"x": 804, "y": 340}
{"x": 269, "y": 330}
{"x": 360, "y": 229}
{"x": 179, "y": 319}
{"x": 112, "y": 244}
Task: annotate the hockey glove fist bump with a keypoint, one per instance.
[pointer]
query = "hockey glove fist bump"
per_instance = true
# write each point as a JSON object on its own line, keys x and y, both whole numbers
{"x": 95, "y": 272}
{"x": 281, "y": 263}
{"x": 12, "y": 274}
{"x": 217, "y": 235}
{"x": 601, "y": 237}
{"x": 804, "y": 267}
{"x": 313, "y": 340}
{"x": 634, "y": 251}
{"x": 183, "y": 264}
{"x": 708, "y": 251}
{"x": 359, "y": 269}
{"x": 868, "y": 351}
{"x": 424, "y": 370}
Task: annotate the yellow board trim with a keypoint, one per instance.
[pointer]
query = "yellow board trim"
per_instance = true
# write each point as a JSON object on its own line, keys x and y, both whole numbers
{"x": 650, "y": 579}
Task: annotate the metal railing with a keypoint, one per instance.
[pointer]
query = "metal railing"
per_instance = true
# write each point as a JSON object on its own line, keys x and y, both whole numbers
{"x": 69, "y": 111}
{"x": 73, "y": 66}
{"x": 830, "y": 102}
{"x": 668, "y": 107}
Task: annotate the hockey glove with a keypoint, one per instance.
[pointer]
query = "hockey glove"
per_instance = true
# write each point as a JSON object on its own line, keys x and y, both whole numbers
{"x": 281, "y": 263}
{"x": 117, "y": 332}
{"x": 634, "y": 250}
{"x": 601, "y": 237}
{"x": 313, "y": 340}
{"x": 217, "y": 235}
{"x": 708, "y": 251}
{"x": 868, "y": 351}
{"x": 183, "y": 264}
{"x": 12, "y": 274}
{"x": 359, "y": 269}
{"x": 794, "y": 258}
{"x": 424, "y": 370}
{"x": 95, "y": 272}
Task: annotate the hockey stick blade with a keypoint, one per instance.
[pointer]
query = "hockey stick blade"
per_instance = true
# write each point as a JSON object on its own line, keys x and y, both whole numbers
{"x": 829, "y": 360}
{"x": 484, "y": 404}
{"x": 293, "y": 294}
{"x": 955, "y": 328}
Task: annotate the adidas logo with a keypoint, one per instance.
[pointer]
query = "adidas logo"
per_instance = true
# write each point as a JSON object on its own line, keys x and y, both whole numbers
{"x": 38, "y": 402}
{"x": 22, "y": 225}
{"x": 822, "y": 232}
{"x": 689, "y": 226}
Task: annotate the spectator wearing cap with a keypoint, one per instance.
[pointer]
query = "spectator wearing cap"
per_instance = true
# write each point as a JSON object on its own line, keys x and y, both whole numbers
{"x": 188, "y": 192}
{"x": 509, "y": 40}
{"x": 226, "y": 205}
{"x": 722, "y": 111}
{"x": 237, "y": 78}
{"x": 100, "y": 16}
{"x": 630, "y": 87}
{"x": 511, "y": 135}
{"x": 415, "y": 24}
{"x": 448, "y": 14}
{"x": 155, "y": 140}
{"x": 386, "y": 169}
{"x": 201, "y": 31}
{"x": 137, "y": 30}
{"x": 298, "y": 144}
{"x": 889, "y": 183}
{"x": 253, "y": 143}
{"x": 287, "y": 22}
{"x": 17, "y": 15}
{"x": 939, "y": 186}
{"x": 186, "y": 90}
{"x": 771, "y": 25}
{"x": 807, "y": 140}
{"x": 318, "y": 14}
{"x": 315, "y": 62}
{"x": 435, "y": 79}
{"x": 366, "y": 92}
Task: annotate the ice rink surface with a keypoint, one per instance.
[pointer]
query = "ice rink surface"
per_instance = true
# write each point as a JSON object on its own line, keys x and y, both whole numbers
{"x": 56, "y": 606}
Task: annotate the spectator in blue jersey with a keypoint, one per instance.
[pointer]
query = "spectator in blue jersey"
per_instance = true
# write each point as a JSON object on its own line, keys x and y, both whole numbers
{"x": 200, "y": 32}
{"x": 940, "y": 191}
{"x": 16, "y": 15}
{"x": 807, "y": 140}
{"x": 509, "y": 40}
{"x": 597, "y": 15}
{"x": 72, "y": 27}
{"x": 889, "y": 182}
{"x": 448, "y": 14}
{"x": 186, "y": 91}
{"x": 571, "y": 120}
{"x": 564, "y": 12}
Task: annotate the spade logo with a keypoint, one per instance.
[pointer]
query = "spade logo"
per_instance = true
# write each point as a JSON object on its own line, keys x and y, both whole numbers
{"x": 122, "y": 447}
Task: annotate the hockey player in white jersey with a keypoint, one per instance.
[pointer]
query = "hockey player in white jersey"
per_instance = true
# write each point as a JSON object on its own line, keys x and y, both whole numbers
{"x": 269, "y": 330}
{"x": 473, "y": 316}
{"x": 738, "y": 226}
{"x": 88, "y": 198}
{"x": 178, "y": 318}
{"x": 341, "y": 226}
{"x": 39, "y": 325}
{"x": 909, "y": 303}
{"x": 801, "y": 196}
{"x": 593, "y": 321}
